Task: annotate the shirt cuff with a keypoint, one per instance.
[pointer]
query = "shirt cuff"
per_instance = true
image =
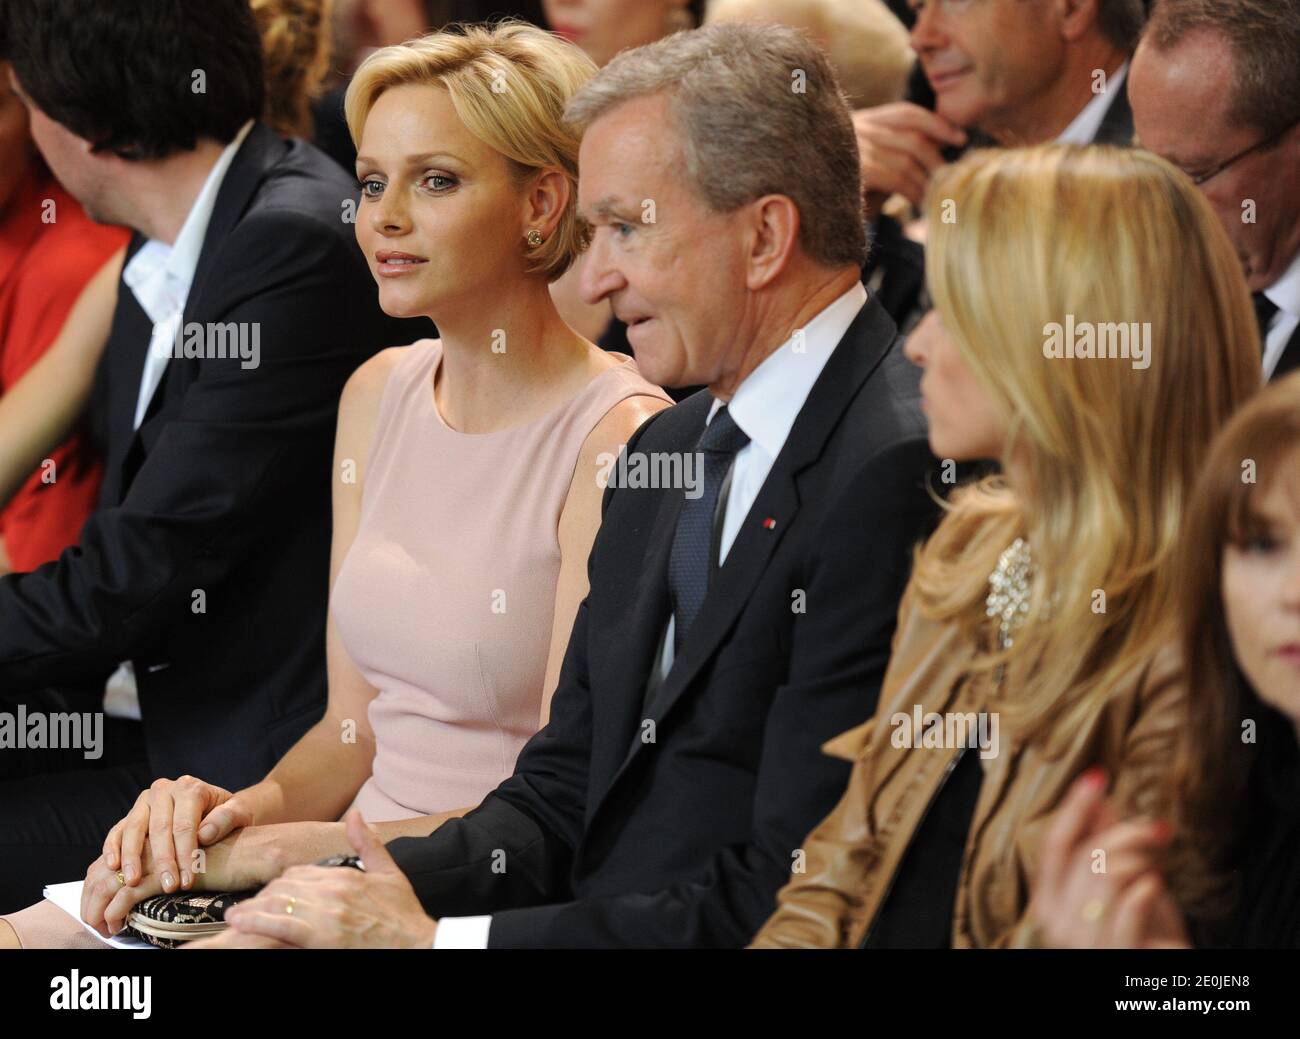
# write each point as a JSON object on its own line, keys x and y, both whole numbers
{"x": 462, "y": 932}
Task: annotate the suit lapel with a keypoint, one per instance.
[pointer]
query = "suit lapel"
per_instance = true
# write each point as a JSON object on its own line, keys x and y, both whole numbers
{"x": 261, "y": 149}
{"x": 1290, "y": 359}
{"x": 856, "y": 356}
{"x": 1117, "y": 125}
{"x": 646, "y": 621}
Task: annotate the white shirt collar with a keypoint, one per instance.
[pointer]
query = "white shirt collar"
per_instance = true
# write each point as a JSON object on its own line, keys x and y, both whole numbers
{"x": 766, "y": 404}
{"x": 159, "y": 275}
{"x": 1084, "y": 128}
{"x": 1285, "y": 292}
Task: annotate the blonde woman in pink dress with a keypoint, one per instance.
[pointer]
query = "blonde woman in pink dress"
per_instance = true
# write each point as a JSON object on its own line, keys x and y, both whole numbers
{"x": 467, "y": 487}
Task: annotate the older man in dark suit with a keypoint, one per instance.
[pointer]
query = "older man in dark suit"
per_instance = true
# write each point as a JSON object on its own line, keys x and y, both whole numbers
{"x": 755, "y": 543}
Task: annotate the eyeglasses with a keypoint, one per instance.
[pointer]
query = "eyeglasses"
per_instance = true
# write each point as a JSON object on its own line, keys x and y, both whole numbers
{"x": 1201, "y": 178}
{"x": 917, "y": 6}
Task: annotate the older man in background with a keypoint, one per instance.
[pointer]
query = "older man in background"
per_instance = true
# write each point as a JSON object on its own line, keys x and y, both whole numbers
{"x": 1216, "y": 91}
{"x": 1007, "y": 72}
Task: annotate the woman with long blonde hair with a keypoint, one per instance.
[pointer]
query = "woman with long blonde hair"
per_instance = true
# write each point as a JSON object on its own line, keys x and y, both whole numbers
{"x": 1092, "y": 332}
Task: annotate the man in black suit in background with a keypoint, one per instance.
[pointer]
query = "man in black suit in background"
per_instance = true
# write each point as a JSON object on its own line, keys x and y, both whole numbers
{"x": 198, "y": 589}
{"x": 1216, "y": 91}
{"x": 1002, "y": 72}
{"x": 1007, "y": 73}
{"x": 755, "y": 542}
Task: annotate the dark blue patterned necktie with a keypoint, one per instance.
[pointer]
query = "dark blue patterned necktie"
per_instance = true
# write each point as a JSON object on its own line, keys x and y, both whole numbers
{"x": 689, "y": 566}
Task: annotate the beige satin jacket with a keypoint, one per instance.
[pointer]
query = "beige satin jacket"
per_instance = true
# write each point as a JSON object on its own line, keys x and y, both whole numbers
{"x": 852, "y": 856}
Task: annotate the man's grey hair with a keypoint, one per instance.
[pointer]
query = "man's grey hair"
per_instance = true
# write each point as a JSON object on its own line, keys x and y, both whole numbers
{"x": 759, "y": 113}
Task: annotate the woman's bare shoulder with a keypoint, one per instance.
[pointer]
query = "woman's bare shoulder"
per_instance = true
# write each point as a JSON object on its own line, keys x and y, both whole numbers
{"x": 365, "y": 387}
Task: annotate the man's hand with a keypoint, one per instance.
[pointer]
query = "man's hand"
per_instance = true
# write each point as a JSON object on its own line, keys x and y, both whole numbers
{"x": 900, "y": 148}
{"x": 1124, "y": 906}
{"x": 315, "y": 907}
{"x": 176, "y": 816}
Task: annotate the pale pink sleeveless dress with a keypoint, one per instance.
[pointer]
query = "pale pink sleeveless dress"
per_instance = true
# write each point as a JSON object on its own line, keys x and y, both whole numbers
{"x": 446, "y": 599}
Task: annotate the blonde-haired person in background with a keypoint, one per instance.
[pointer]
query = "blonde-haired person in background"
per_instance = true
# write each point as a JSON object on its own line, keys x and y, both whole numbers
{"x": 465, "y": 505}
{"x": 867, "y": 45}
{"x": 296, "y": 48}
{"x": 40, "y": 409}
{"x": 1035, "y": 639}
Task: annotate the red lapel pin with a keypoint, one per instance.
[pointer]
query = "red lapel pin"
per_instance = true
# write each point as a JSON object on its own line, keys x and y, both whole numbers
{"x": 769, "y": 523}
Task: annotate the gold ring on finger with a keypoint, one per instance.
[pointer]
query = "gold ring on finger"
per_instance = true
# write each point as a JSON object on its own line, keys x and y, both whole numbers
{"x": 289, "y": 906}
{"x": 121, "y": 878}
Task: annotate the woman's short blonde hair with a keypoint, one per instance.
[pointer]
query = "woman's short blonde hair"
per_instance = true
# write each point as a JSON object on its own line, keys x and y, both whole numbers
{"x": 509, "y": 84}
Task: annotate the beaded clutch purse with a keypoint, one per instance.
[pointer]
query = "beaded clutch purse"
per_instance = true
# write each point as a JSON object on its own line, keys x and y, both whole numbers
{"x": 169, "y": 921}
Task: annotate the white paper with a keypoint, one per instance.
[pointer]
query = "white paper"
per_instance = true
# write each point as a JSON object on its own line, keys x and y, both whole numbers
{"x": 68, "y": 898}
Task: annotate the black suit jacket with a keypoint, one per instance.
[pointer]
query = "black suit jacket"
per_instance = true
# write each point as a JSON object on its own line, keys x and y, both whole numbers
{"x": 206, "y": 562}
{"x": 603, "y": 837}
{"x": 895, "y": 266}
{"x": 1290, "y": 359}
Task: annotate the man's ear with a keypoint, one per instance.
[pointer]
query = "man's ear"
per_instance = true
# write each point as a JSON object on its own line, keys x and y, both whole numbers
{"x": 774, "y": 229}
{"x": 1077, "y": 17}
{"x": 546, "y": 201}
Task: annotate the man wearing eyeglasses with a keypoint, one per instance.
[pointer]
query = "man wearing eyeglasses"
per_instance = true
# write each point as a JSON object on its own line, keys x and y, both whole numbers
{"x": 1215, "y": 89}
{"x": 1010, "y": 72}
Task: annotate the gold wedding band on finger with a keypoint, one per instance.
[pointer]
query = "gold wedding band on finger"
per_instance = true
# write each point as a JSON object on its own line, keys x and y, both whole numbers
{"x": 289, "y": 906}
{"x": 1093, "y": 910}
{"x": 121, "y": 879}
